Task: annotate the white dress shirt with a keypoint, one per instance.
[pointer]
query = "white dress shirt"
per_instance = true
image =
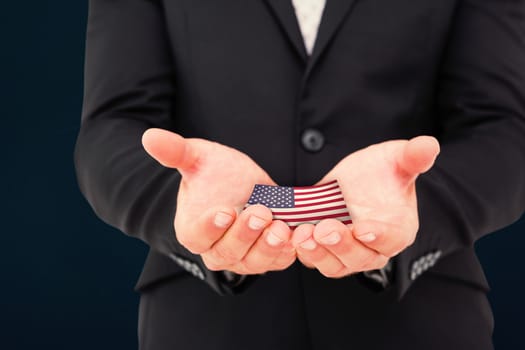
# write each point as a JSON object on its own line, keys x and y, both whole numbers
{"x": 309, "y": 13}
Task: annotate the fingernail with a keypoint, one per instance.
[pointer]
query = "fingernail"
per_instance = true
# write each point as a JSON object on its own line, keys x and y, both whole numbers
{"x": 331, "y": 238}
{"x": 273, "y": 240}
{"x": 309, "y": 244}
{"x": 367, "y": 237}
{"x": 222, "y": 220}
{"x": 256, "y": 223}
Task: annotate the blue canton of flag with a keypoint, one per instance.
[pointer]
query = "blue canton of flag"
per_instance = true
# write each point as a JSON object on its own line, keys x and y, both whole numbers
{"x": 272, "y": 196}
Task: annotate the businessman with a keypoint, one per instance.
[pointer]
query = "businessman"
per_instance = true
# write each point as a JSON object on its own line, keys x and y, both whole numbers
{"x": 189, "y": 104}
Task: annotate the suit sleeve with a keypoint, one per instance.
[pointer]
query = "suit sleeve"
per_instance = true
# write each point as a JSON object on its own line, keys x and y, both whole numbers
{"x": 478, "y": 183}
{"x": 129, "y": 87}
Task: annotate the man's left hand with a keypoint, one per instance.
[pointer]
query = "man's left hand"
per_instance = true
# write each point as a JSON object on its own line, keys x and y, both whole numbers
{"x": 378, "y": 184}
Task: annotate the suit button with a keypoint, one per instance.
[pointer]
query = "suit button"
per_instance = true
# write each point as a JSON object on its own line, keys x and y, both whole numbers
{"x": 312, "y": 140}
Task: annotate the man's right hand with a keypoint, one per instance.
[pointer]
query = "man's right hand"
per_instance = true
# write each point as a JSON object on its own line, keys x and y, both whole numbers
{"x": 216, "y": 183}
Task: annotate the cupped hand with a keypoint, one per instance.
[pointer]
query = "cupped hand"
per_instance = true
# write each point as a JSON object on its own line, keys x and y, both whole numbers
{"x": 216, "y": 183}
{"x": 378, "y": 184}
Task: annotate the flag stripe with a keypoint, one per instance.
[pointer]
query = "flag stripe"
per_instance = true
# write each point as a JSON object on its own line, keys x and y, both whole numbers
{"x": 297, "y": 205}
{"x": 329, "y": 200}
{"x": 316, "y": 198}
{"x": 317, "y": 194}
{"x": 317, "y": 208}
{"x": 312, "y": 217}
{"x": 315, "y": 214}
{"x": 314, "y": 190}
{"x": 339, "y": 200}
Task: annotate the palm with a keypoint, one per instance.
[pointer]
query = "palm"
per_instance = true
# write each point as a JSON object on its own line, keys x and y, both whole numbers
{"x": 377, "y": 184}
{"x": 222, "y": 176}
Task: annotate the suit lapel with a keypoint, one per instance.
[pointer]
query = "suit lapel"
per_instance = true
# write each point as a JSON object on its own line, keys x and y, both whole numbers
{"x": 334, "y": 13}
{"x": 284, "y": 12}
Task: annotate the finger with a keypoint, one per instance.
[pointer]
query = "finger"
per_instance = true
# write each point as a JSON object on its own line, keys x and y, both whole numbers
{"x": 305, "y": 262}
{"x": 200, "y": 235}
{"x": 419, "y": 154}
{"x": 337, "y": 238}
{"x": 385, "y": 238}
{"x": 267, "y": 248}
{"x": 303, "y": 235}
{"x": 300, "y": 234}
{"x": 312, "y": 253}
{"x": 170, "y": 149}
{"x": 243, "y": 233}
{"x": 284, "y": 259}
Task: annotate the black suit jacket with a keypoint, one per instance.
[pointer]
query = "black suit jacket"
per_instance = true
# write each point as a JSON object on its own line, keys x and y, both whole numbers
{"x": 236, "y": 72}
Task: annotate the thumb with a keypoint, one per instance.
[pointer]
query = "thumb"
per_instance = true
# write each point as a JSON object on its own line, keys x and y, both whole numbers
{"x": 419, "y": 155}
{"x": 169, "y": 149}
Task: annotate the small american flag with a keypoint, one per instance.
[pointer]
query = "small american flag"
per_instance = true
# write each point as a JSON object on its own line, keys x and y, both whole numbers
{"x": 300, "y": 205}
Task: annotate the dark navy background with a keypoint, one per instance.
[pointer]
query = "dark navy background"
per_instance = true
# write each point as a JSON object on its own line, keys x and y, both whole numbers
{"x": 66, "y": 278}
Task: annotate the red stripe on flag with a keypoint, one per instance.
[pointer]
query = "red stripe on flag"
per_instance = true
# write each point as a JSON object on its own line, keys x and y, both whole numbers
{"x": 319, "y": 197}
{"x": 342, "y": 206}
{"x": 320, "y": 202}
{"x": 314, "y": 190}
{"x": 319, "y": 217}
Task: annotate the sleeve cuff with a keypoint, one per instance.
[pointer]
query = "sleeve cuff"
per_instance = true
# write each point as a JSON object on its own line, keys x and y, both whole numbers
{"x": 379, "y": 279}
